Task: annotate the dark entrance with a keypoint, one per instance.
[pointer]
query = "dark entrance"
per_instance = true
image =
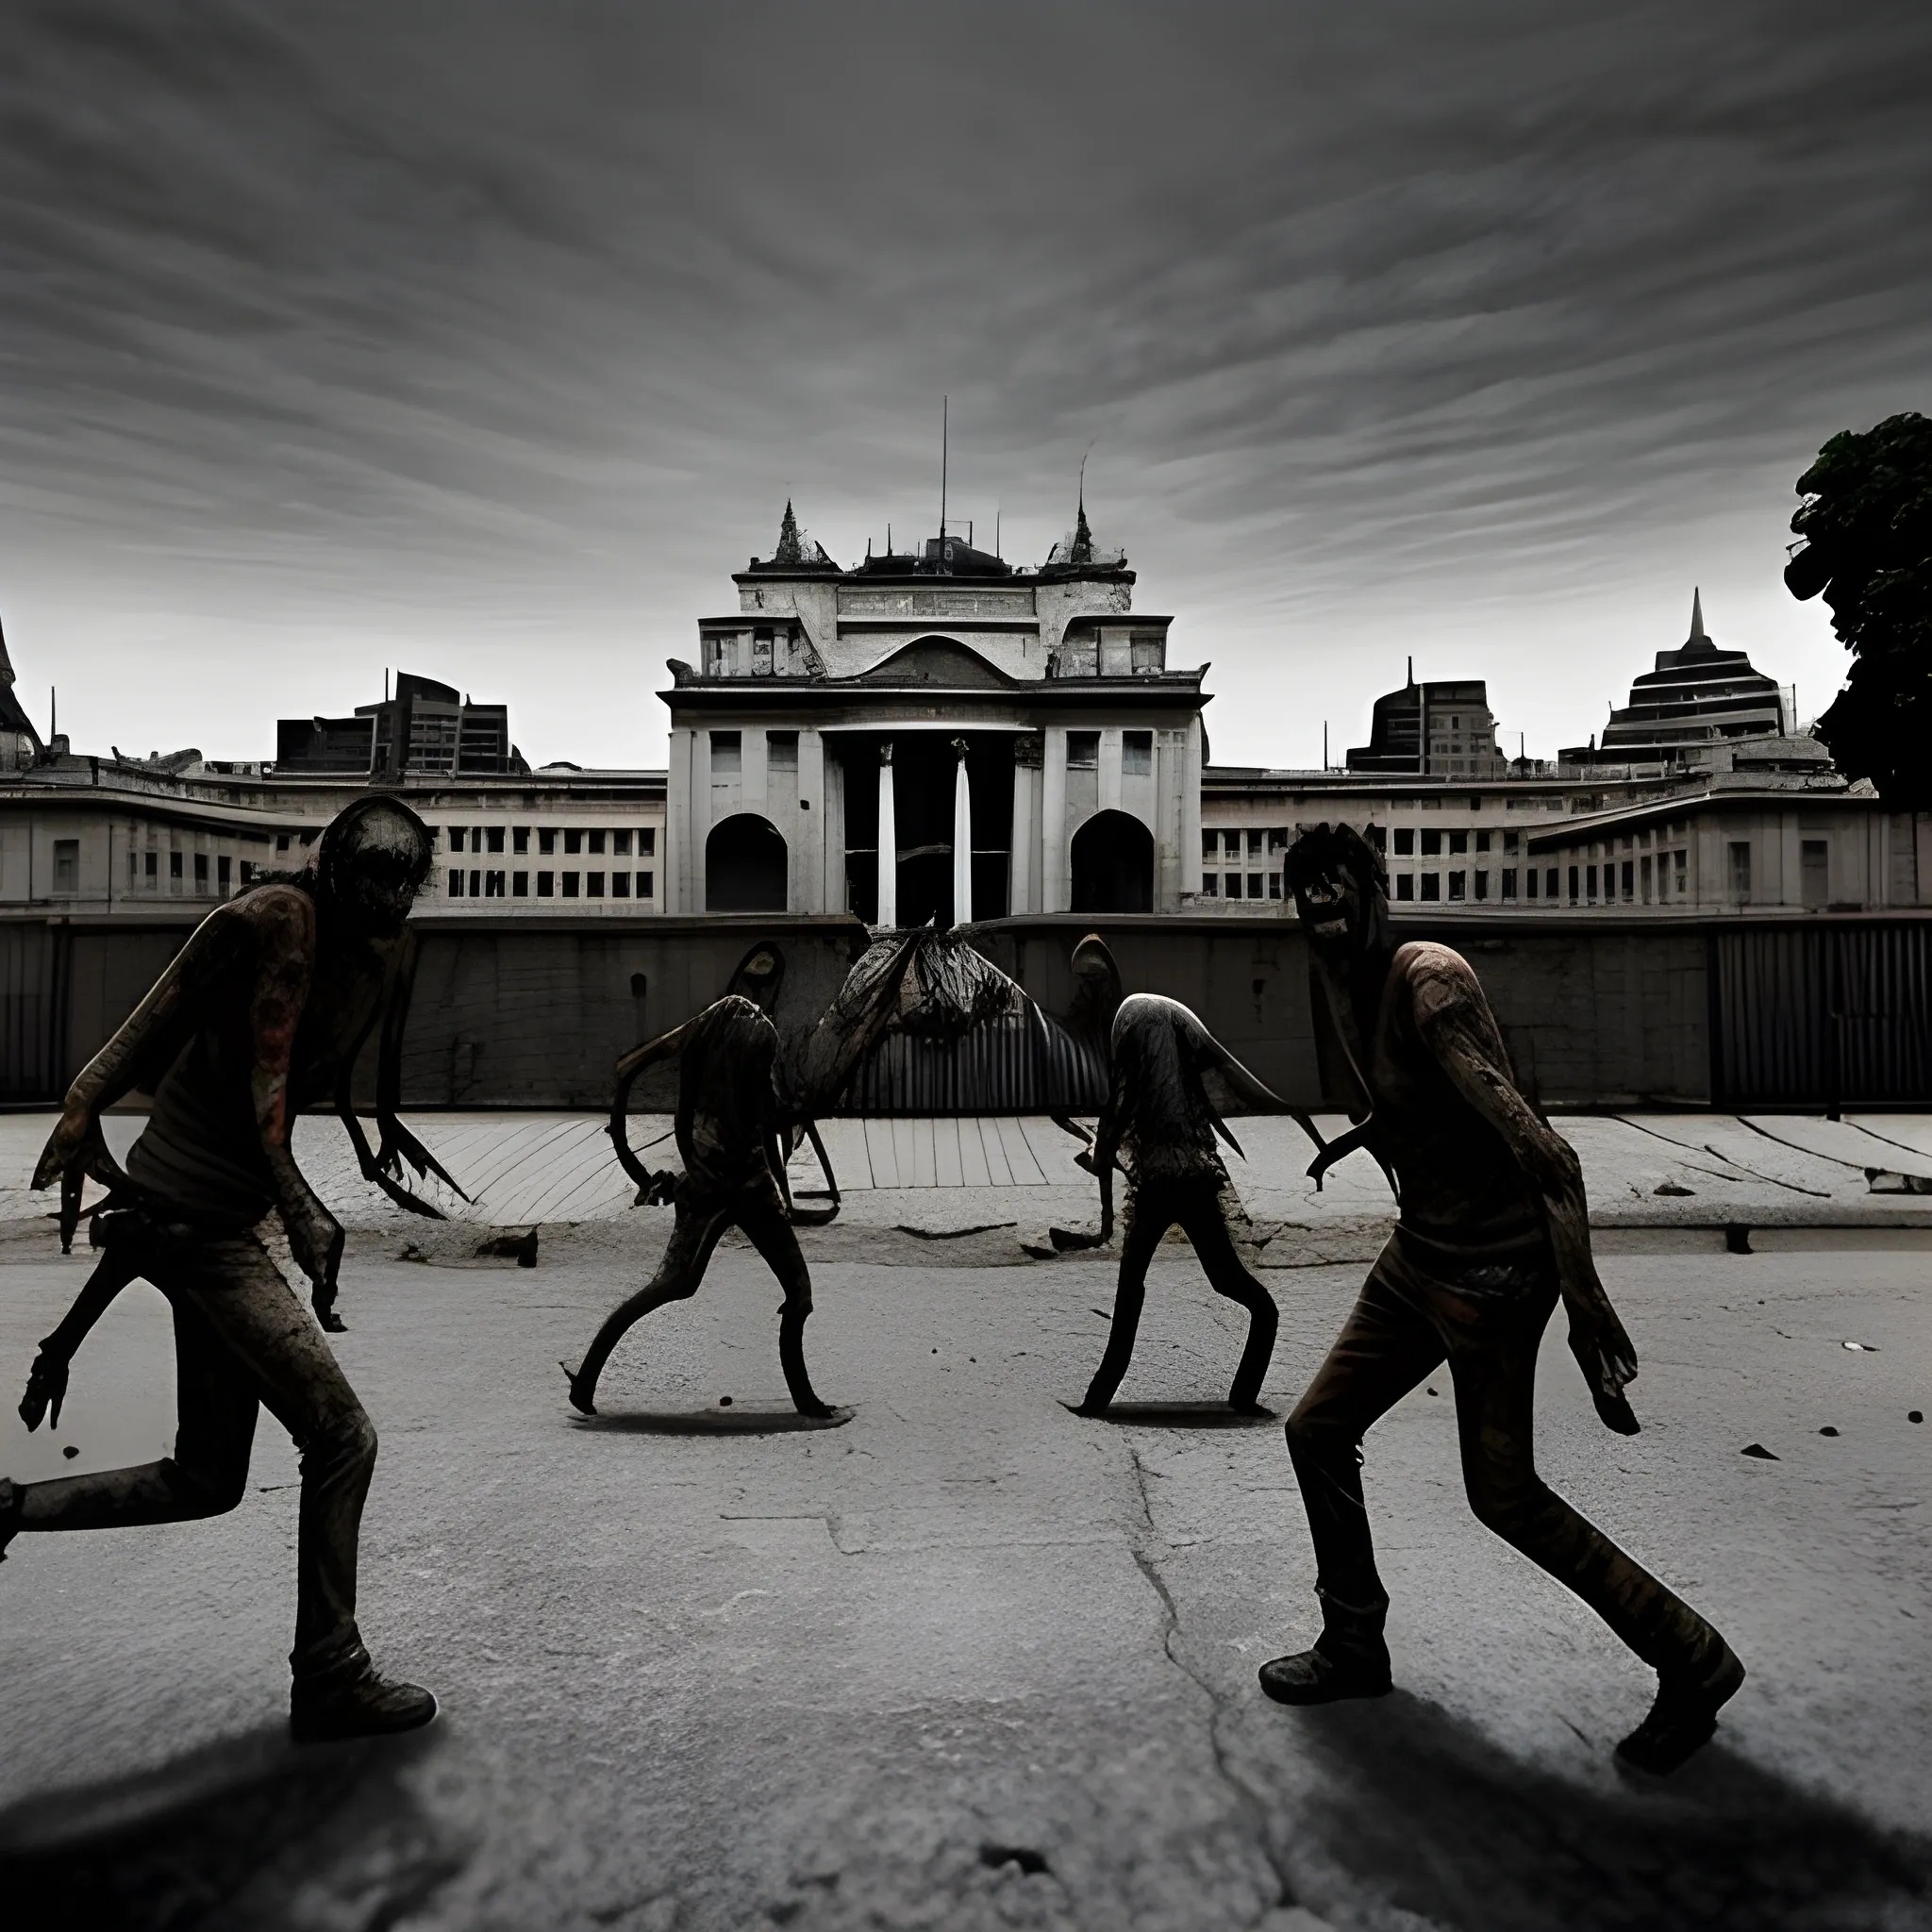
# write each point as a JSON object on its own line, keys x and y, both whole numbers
{"x": 744, "y": 866}
{"x": 923, "y": 764}
{"x": 1113, "y": 864}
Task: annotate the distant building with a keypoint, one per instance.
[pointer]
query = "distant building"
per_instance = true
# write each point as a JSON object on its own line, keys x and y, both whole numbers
{"x": 424, "y": 730}
{"x": 20, "y": 742}
{"x": 933, "y": 733}
{"x": 1442, "y": 729}
{"x": 1696, "y": 695}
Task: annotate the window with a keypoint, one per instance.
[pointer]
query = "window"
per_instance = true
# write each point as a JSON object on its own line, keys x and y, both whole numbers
{"x": 200, "y": 875}
{"x": 572, "y": 841}
{"x": 153, "y": 877}
{"x": 1509, "y": 881}
{"x": 455, "y": 838}
{"x": 67, "y": 865}
{"x": 1137, "y": 754}
{"x": 455, "y": 882}
{"x": 520, "y": 885}
{"x": 1432, "y": 885}
{"x": 1404, "y": 885}
{"x": 728, "y": 751}
{"x": 1083, "y": 750}
{"x": 1275, "y": 885}
{"x": 647, "y": 841}
{"x": 1254, "y": 885}
{"x": 133, "y": 867}
{"x": 645, "y": 886}
{"x": 245, "y": 871}
{"x": 594, "y": 885}
{"x": 1592, "y": 881}
{"x": 1432, "y": 844}
{"x": 225, "y": 876}
{"x": 1643, "y": 878}
{"x": 782, "y": 751}
{"x": 1231, "y": 845}
{"x": 281, "y": 842}
{"x": 520, "y": 840}
{"x": 1255, "y": 848}
{"x": 547, "y": 841}
{"x": 1210, "y": 845}
{"x": 1814, "y": 871}
{"x": 476, "y": 885}
{"x": 1741, "y": 869}
{"x": 1459, "y": 841}
{"x": 620, "y": 842}
{"x": 619, "y": 885}
{"x": 1458, "y": 885}
{"x": 493, "y": 885}
{"x": 174, "y": 871}
{"x": 570, "y": 882}
{"x": 1683, "y": 876}
{"x": 546, "y": 885}
{"x": 1234, "y": 885}
{"x": 493, "y": 839}
{"x": 1482, "y": 884}
{"x": 1482, "y": 841}
{"x": 1573, "y": 885}
{"x": 1210, "y": 884}
{"x": 596, "y": 839}
{"x": 761, "y": 654}
{"x": 1405, "y": 842}
{"x": 1510, "y": 840}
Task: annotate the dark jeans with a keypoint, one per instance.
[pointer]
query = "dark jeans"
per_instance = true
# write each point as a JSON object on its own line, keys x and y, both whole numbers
{"x": 243, "y": 1341}
{"x": 1405, "y": 1323}
{"x": 756, "y": 1207}
{"x": 1151, "y": 1209}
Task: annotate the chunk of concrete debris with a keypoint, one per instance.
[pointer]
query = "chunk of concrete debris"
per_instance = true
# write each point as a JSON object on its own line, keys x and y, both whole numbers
{"x": 1760, "y": 1452}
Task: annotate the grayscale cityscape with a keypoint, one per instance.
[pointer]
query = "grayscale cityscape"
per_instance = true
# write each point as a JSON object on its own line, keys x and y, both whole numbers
{"x": 875, "y": 842}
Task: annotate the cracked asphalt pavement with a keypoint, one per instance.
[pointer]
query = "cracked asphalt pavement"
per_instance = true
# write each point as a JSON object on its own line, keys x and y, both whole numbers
{"x": 969, "y": 1660}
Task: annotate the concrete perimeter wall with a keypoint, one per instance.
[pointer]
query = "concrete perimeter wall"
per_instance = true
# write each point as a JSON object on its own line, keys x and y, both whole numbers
{"x": 514, "y": 1013}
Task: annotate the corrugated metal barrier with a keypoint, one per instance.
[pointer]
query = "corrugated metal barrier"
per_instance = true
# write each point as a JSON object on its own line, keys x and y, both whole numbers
{"x": 1822, "y": 1016}
{"x": 1024, "y": 1063}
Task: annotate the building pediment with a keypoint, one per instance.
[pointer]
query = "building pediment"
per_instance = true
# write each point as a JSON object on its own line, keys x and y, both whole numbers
{"x": 944, "y": 662}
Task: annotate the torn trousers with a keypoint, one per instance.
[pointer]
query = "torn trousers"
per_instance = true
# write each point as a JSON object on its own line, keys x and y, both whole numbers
{"x": 1198, "y": 1205}
{"x": 1488, "y": 1326}
{"x": 243, "y": 1341}
{"x": 703, "y": 1215}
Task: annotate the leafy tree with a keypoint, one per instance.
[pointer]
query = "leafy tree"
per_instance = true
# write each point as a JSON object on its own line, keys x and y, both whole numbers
{"x": 1867, "y": 526}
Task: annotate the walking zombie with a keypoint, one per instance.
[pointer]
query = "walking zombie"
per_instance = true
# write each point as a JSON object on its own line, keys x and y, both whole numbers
{"x": 1493, "y": 1232}
{"x": 742, "y": 1104}
{"x": 1159, "y": 1124}
{"x": 262, "y": 1011}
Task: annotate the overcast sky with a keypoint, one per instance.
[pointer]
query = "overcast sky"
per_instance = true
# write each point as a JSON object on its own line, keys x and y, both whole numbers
{"x": 487, "y": 339}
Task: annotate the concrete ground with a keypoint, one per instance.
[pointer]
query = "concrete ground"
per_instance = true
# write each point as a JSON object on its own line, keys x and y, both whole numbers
{"x": 968, "y": 1660}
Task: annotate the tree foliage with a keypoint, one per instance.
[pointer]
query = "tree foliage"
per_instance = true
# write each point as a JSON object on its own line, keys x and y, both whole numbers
{"x": 1867, "y": 524}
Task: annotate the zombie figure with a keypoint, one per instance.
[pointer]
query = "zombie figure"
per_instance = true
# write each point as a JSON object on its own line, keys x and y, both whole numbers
{"x": 1159, "y": 1124}
{"x": 260, "y": 1014}
{"x": 1493, "y": 1231}
{"x": 740, "y": 1104}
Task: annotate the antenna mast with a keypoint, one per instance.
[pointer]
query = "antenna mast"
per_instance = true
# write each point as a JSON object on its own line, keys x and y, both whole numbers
{"x": 945, "y": 427}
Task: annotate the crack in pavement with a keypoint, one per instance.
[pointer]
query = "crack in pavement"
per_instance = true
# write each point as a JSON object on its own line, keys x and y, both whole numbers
{"x": 1248, "y": 1800}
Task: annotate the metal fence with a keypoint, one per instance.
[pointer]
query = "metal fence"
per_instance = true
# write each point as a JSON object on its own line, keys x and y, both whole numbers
{"x": 1020, "y": 1064}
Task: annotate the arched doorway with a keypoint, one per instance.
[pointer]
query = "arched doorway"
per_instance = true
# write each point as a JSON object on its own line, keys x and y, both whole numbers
{"x": 746, "y": 866}
{"x": 1113, "y": 864}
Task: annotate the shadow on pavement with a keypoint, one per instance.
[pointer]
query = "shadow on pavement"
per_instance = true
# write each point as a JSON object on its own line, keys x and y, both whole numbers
{"x": 1182, "y": 1415}
{"x": 250, "y": 1831}
{"x": 1426, "y": 1813}
{"x": 711, "y": 1421}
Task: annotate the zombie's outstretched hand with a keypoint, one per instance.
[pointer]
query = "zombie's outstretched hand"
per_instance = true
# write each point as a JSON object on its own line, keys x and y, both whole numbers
{"x": 46, "y": 1389}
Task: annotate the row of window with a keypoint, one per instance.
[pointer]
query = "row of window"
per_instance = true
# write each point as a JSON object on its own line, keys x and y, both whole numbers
{"x": 1634, "y": 881}
{"x": 1433, "y": 840}
{"x": 144, "y": 870}
{"x": 486, "y": 839}
{"x": 482, "y": 884}
{"x": 1259, "y": 885}
{"x": 781, "y": 754}
{"x": 1252, "y": 839}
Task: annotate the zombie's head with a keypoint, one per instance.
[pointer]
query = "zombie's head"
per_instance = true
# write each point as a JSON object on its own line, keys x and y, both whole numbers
{"x": 1341, "y": 891}
{"x": 760, "y": 975}
{"x": 370, "y": 864}
{"x": 1096, "y": 990}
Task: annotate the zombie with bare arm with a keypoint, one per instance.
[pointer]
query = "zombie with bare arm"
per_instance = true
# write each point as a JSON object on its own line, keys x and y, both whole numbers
{"x": 254, "y": 1020}
{"x": 1493, "y": 1231}
{"x": 1159, "y": 1124}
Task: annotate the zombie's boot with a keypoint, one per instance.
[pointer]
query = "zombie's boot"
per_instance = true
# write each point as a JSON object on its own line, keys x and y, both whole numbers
{"x": 9, "y": 1514}
{"x": 1349, "y": 1659}
{"x": 1685, "y": 1713}
{"x": 354, "y": 1702}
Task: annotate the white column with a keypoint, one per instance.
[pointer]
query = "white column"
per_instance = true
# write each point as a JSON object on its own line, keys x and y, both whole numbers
{"x": 888, "y": 841}
{"x": 963, "y": 837}
{"x": 1022, "y": 890}
{"x": 1055, "y": 893}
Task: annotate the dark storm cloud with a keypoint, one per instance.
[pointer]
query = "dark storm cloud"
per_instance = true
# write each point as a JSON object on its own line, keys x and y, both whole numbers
{"x": 492, "y": 338}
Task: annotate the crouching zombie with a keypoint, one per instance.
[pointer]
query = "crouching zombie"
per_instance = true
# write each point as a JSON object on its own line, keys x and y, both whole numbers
{"x": 252, "y": 1021}
{"x": 1158, "y": 1125}
{"x": 1493, "y": 1232}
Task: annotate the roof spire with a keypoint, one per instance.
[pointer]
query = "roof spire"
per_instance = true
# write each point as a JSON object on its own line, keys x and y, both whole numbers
{"x": 1082, "y": 549}
{"x": 1696, "y": 615}
{"x": 790, "y": 549}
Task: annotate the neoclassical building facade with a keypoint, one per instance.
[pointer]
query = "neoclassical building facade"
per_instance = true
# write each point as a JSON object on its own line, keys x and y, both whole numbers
{"x": 933, "y": 735}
